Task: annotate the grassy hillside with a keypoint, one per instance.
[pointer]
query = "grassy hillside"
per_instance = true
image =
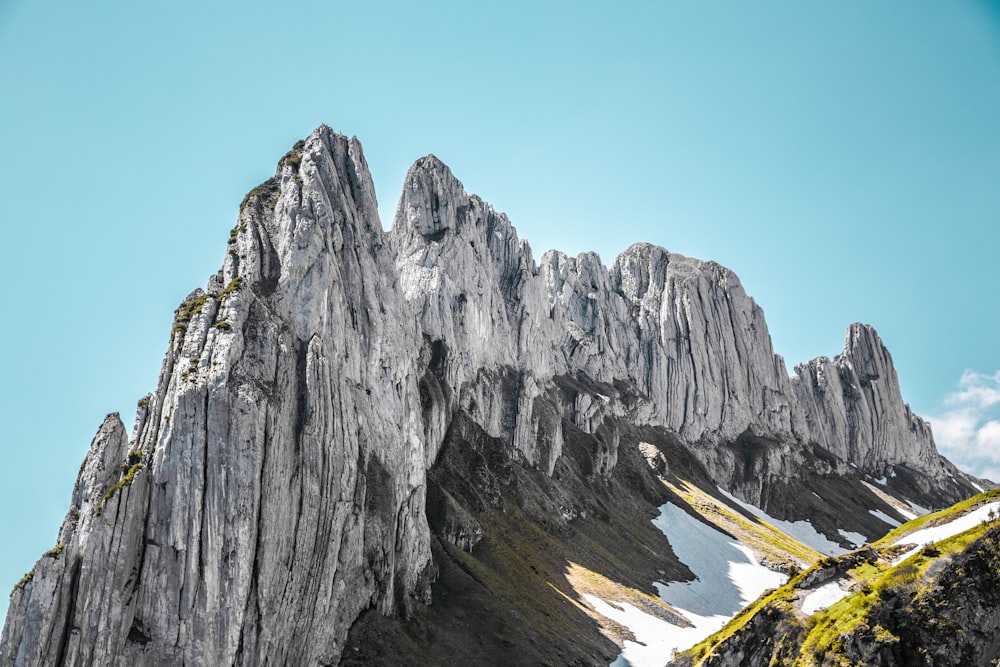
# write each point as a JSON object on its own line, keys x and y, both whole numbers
{"x": 934, "y": 606}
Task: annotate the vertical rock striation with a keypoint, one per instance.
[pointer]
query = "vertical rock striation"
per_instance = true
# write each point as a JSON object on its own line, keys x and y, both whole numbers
{"x": 274, "y": 484}
{"x": 681, "y": 332}
{"x": 281, "y": 487}
{"x": 854, "y": 408}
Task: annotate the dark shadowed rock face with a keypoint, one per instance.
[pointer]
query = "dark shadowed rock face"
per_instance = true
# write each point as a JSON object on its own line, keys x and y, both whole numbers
{"x": 320, "y": 398}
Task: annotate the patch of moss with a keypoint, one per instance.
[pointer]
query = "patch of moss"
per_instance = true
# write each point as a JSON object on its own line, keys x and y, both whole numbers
{"x": 265, "y": 193}
{"x": 235, "y": 232}
{"x": 222, "y": 324}
{"x": 233, "y": 285}
{"x": 781, "y": 599}
{"x": 184, "y": 314}
{"x": 192, "y": 306}
{"x": 56, "y": 550}
{"x": 121, "y": 484}
{"x": 24, "y": 580}
{"x": 293, "y": 158}
{"x": 879, "y": 583}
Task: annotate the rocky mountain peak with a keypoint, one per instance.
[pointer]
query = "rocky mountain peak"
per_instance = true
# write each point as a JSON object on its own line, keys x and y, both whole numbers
{"x": 277, "y": 483}
{"x": 866, "y": 354}
{"x": 853, "y": 405}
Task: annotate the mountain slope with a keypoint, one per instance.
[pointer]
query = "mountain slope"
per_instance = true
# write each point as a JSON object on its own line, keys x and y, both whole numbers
{"x": 351, "y": 424}
{"x": 926, "y": 593}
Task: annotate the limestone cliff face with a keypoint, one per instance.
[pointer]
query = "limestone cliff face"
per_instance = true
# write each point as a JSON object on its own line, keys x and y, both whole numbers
{"x": 281, "y": 461}
{"x": 681, "y": 332}
{"x": 854, "y": 408}
{"x": 274, "y": 484}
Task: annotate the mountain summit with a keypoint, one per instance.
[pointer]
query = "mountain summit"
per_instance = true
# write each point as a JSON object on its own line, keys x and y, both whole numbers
{"x": 372, "y": 446}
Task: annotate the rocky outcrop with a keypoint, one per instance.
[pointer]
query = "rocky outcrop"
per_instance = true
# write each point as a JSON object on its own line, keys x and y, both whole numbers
{"x": 853, "y": 406}
{"x": 678, "y": 334}
{"x": 281, "y": 487}
{"x": 275, "y": 483}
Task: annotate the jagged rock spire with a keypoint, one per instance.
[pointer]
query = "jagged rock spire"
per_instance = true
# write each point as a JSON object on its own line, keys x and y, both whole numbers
{"x": 854, "y": 408}
{"x": 281, "y": 487}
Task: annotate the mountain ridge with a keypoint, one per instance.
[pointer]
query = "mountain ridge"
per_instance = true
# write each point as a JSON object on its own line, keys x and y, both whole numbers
{"x": 285, "y": 462}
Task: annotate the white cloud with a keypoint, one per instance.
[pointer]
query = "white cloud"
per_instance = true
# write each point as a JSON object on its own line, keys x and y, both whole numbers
{"x": 956, "y": 428}
{"x": 988, "y": 438}
{"x": 967, "y": 430}
{"x": 976, "y": 389}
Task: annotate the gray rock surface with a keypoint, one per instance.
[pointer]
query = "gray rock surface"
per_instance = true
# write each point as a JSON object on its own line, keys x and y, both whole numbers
{"x": 854, "y": 408}
{"x": 681, "y": 333}
{"x": 282, "y": 491}
{"x": 274, "y": 486}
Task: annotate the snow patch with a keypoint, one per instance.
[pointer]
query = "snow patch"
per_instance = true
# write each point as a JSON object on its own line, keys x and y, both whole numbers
{"x": 918, "y": 509}
{"x": 802, "y": 530}
{"x": 976, "y": 486}
{"x": 823, "y": 597}
{"x": 856, "y": 539}
{"x": 727, "y": 578}
{"x": 888, "y": 519}
{"x": 882, "y": 481}
{"x": 943, "y": 531}
{"x": 656, "y": 640}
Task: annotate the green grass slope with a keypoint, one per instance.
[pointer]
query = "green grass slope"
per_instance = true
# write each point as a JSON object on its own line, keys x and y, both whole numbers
{"x": 938, "y": 606}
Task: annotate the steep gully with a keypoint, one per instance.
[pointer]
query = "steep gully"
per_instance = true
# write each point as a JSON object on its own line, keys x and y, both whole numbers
{"x": 349, "y": 423}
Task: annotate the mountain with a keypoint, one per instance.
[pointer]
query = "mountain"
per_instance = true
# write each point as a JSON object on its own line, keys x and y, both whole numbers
{"x": 423, "y": 445}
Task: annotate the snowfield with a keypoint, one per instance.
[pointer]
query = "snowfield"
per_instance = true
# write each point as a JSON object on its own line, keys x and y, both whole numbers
{"x": 888, "y": 519}
{"x": 943, "y": 531}
{"x": 803, "y": 531}
{"x": 728, "y": 577}
{"x": 823, "y": 597}
{"x": 857, "y": 539}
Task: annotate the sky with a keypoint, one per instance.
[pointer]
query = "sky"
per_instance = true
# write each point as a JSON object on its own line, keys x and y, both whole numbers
{"x": 842, "y": 158}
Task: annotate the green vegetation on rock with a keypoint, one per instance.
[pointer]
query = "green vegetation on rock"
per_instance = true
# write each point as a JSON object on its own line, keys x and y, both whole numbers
{"x": 194, "y": 305}
{"x": 127, "y": 478}
{"x": 25, "y": 579}
{"x": 184, "y": 314}
{"x": 926, "y": 609}
{"x": 233, "y": 285}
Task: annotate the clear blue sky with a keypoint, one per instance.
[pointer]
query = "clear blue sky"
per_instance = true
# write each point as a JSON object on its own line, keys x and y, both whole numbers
{"x": 843, "y": 158}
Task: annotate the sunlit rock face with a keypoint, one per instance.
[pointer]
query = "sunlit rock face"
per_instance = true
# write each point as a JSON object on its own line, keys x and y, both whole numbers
{"x": 680, "y": 331}
{"x": 282, "y": 456}
{"x": 854, "y": 408}
{"x": 274, "y": 484}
